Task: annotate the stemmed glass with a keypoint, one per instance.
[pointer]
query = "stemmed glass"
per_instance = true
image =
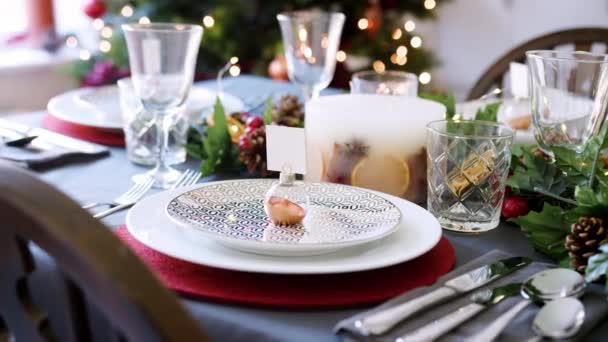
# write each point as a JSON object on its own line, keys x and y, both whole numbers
{"x": 162, "y": 58}
{"x": 569, "y": 96}
{"x": 311, "y": 40}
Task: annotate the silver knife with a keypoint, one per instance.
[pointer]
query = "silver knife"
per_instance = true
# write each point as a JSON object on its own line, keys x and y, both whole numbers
{"x": 53, "y": 138}
{"x": 381, "y": 321}
{"x": 481, "y": 300}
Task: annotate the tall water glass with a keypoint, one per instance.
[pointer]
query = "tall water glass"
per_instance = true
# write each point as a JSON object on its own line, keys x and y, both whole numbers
{"x": 162, "y": 58}
{"x": 467, "y": 167}
{"x": 311, "y": 40}
{"x": 386, "y": 83}
{"x": 569, "y": 95}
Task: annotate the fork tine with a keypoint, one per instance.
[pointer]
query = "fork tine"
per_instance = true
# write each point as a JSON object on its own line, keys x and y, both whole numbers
{"x": 188, "y": 179}
{"x": 195, "y": 178}
{"x": 180, "y": 179}
{"x": 129, "y": 192}
{"x": 141, "y": 189}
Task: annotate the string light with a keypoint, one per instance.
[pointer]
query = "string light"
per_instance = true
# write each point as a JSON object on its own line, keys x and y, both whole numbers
{"x": 363, "y": 24}
{"x": 85, "y": 55}
{"x": 208, "y": 21}
{"x": 71, "y": 42}
{"x": 401, "y": 60}
{"x": 105, "y": 46}
{"x": 234, "y": 70}
{"x": 379, "y": 67}
{"x": 144, "y": 20}
{"x": 416, "y": 42}
{"x": 397, "y": 34}
{"x": 401, "y": 51}
{"x": 394, "y": 58}
{"x": 234, "y": 60}
{"x": 98, "y": 24}
{"x": 302, "y": 34}
{"x": 340, "y": 56}
{"x": 126, "y": 11}
{"x": 424, "y": 77}
{"x": 106, "y": 32}
{"x": 409, "y": 26}
{"x": 429, "y": 4}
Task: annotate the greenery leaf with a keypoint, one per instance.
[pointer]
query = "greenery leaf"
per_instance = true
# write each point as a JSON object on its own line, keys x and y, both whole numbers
{"x": 533, "y": 173}
{"x": 597, "y": 266}
{"x": 546, "y": 230}
{"x": 488, "y": 112}
{"x": 449, "y": 101}
{"x": 267, "y": 115}
{"x": 216, "y": 145}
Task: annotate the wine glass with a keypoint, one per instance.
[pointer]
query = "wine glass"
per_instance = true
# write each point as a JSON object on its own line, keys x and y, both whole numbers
{"x": 569, "y": 96}
{"x": 311, "y": 40}
{"x": 162, "y": 58}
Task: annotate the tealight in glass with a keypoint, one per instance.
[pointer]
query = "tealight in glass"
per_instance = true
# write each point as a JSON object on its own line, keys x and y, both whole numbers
{"x": 386, "y": 83}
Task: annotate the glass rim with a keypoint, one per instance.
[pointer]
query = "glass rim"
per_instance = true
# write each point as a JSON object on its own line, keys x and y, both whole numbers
{"x": 286, "y": 16}
{"x": 568, "y": 56}
{"x": 508, "y": 132}
{"x": 162, "y": 27}
{"x": 361, "y": 74}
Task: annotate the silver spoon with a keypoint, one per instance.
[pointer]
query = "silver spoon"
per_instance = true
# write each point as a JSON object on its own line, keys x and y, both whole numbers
{"x": 542, "y": 287}
{"x": 558, "y": 319}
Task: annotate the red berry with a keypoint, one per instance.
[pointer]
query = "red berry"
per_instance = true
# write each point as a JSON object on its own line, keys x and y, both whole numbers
{"x": 514, "y": 206}
{"x": 94, "y": 8}
{"x": 244, "y": 143}
{"x": 254, "y": 122}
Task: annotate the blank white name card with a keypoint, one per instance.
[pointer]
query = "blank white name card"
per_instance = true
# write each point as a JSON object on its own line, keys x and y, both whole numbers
{"x": 285, "y": 146}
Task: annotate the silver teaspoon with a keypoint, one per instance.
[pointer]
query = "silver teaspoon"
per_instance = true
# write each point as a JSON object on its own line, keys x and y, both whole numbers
{"x": 559, "y": 319}
{"x": 542, "y": 287}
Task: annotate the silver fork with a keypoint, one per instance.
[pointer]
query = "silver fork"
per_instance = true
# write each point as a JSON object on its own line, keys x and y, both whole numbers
{"x": 128, "y": 198}
{"x": 187, "y": 178}
{"x": 122, "y": 199}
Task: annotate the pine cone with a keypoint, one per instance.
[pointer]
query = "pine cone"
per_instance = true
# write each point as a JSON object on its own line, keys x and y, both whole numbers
{"x": 584, "y": 240}
{"x": 253, "y": 151}
{"x": 289, "y": 111}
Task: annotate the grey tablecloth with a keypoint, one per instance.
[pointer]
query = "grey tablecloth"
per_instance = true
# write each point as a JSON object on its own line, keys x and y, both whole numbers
{"x": 106, "y": 178}
{"x": 519, "y": 329}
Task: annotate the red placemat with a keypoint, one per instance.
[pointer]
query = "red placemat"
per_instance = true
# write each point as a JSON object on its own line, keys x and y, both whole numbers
{"x": 87, "y": 133}
{"x": 295, "y": 291}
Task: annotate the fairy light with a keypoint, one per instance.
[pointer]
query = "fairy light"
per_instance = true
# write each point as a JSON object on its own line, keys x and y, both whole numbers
{"x": 85, "y": 55}
{"x": 397, "y": 34}
{"x": 394, "y": 58}
{"x": 234, "y": 70}
{"x": 401, "y": 50}
{"x": 98, "y": 24}
{"x": 71, "y": 42}
{"x": 105, "y": 46}
{"x": 234, "y": 60}
{"x": 416, "y": 42}
{"x": 401, "y": 60}
{"x": 362, "y": 24}
{"x": 409, "y": 26}
{"x": 208, "y": 21}
{"x": 126, "y": 11}
{"x": 424, "y": 77}
{"x": 302, "y": 34}
{"x": 307, "y": 52}
{"x": 340, "y": 56}
{"x": 379, "y": 67}
{"x": 106, "y": 32}
{"x": 429, "y": 4}
{"x": 144, "y": 20}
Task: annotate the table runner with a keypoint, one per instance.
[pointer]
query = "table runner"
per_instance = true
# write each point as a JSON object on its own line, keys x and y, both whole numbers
{"x": 295, "y": 291}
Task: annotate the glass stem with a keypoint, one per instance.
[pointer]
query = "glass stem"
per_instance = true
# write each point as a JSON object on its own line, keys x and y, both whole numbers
{"x": 163, "y": 123}
{"x": 310, "y": 93}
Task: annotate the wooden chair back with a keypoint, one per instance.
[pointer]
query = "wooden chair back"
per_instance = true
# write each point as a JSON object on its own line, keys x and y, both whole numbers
{"x": 582, "y": 39}
{"x": 95, "y": 267}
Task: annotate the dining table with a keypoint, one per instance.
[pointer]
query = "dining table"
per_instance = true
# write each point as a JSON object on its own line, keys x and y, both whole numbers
{"x": 105, "y": 178}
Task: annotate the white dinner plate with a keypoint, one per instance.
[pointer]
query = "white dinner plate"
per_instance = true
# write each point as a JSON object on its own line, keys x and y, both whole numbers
{"x": 232, "y": 213}
{"x": 417, "y": 233}
{"x": 99, "y": 107}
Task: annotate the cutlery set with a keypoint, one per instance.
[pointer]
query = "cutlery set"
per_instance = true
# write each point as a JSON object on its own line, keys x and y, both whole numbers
{"x": 558, "y": 287}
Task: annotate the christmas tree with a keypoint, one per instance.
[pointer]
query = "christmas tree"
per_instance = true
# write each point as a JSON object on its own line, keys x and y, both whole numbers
{"x": 376, "y": 35}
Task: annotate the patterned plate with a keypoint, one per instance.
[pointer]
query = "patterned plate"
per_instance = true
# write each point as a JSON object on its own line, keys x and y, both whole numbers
{"x": 232, "y": 213}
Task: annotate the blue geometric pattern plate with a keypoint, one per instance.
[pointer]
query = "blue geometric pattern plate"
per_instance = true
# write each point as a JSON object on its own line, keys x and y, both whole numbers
{"x": 232, "y": 213}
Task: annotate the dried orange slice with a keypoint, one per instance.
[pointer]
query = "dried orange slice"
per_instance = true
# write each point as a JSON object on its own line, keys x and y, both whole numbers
{"x": 386, "y": 173}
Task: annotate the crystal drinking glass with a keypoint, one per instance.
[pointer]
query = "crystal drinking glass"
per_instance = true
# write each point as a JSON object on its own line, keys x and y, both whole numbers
{"x": 467, "y": 167}
{"x": 162, "y": 58}
{"x": 569, "y": 95}
{"x": 311, "y": 40}
{"x": 385, "y": 83}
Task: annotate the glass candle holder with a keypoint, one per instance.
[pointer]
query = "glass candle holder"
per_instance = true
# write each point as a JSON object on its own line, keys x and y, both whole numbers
{"x": 385, "y": 83}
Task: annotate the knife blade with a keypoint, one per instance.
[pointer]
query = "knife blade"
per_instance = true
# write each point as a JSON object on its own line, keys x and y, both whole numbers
{"x": 381, "y": 321}
{"x": 481, "y": 300}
